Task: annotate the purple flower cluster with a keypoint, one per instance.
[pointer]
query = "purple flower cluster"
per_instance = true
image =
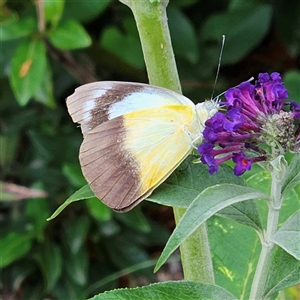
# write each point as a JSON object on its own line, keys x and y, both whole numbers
{"x": 256, "y": 116}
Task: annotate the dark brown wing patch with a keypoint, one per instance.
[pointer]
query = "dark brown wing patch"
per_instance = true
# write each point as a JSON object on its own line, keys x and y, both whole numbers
{"x": 112, "y": 173}
{"x": 90, "y": 103}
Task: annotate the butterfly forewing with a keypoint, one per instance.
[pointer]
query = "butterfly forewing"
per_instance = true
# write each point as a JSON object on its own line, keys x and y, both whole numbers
{"x": 98, "y": 102}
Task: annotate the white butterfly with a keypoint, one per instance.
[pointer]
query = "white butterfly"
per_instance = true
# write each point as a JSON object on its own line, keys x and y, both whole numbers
{"x": 135, "y": 135}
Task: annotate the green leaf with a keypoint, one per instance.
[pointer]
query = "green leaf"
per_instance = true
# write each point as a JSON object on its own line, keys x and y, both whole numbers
{"x": 38, "y": 210}
{"x": 77, "y": 266}
{"x": 181, "y": 188}
{"x": 172, "y": 290}
{"x": 69, "y": 35}
{"x": 7, "y": 50}
{"x": 76, "y": 257}
{"x": 50, "y": 261}
{"x": 84, "y": 11}
{"x": 186, "y": 3}
{"x": 261, "y": 180}
{"x": 183, "y": 34}
{"x": 126, "y": 46}
{"x": 28, "y": 69}
{"x": 74, "y": 174}
{"x": 245, "y": 213}
{"x": 205, "y": 205}
{"x": 52, "y": 146}
{"x": 244, "y": 29}
{"x": 66, "y": 289}
{"x": 22, "y": 270}
{"x": 113, "y": 277}
{"x": 184, "y": 185}
{"x": 84, "y": 193}
{"x": 291, "y": 81}
{"x": 75, "y": 233}
{"x": 135, "y": 219}
{"x": 44, "y": 94}
{"x": 127, "y": 254}
{"x": 284, "y": 272}
{"x": 9, "y": 144}
{"x": 236, "y": 4}
{"x": 288, "y": 235}
{"x": 288, "y": 31}
{"x": 42, "y": 145}
{"x": 235, "y": 250}
{"x": 98, "y": 209}
{"x": 53, "y": 11}
{"x": 15, "y": 28}
{"x": 293, "y": 176}
{"x": 13, "y": 246}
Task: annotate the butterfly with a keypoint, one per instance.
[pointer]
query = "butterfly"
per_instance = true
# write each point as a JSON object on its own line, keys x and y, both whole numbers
{"x": 134, "y": 136}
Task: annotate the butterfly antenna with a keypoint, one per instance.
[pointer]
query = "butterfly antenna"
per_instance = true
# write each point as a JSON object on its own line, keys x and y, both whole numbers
{"x": 219, "y": 65}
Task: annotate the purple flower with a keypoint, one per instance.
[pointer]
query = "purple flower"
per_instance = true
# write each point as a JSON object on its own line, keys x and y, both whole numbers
{"x": 295, "y": 108}
{"x": 255, "y": 116}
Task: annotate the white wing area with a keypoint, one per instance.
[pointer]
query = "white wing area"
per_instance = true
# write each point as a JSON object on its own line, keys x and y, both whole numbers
{"x": 149, "y": 96}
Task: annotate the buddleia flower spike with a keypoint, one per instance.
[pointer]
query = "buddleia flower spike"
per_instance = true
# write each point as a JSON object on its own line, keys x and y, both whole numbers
{"x": 258, "y": 126}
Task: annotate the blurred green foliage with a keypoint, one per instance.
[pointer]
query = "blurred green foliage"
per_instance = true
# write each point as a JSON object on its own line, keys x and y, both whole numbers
{"x": 50, "y": 47}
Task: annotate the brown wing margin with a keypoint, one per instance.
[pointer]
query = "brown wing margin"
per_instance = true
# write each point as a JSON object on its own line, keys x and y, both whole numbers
{"x": 90, "y": 103}
{"x": 112, "y": 173}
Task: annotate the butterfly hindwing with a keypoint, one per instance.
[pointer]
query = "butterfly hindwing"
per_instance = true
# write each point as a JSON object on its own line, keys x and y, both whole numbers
{"x": 110, "y": 172}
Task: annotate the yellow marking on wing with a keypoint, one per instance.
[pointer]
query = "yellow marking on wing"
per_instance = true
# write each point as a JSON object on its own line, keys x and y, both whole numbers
{"x": 158, "y": 140}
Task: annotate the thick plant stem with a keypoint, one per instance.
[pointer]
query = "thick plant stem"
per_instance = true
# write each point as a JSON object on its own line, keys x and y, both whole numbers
{"x": 264, "y": 261}
{"x": 265, "y": 257}
{"x": 195, "y": 254}
{"x": 151, "y": 20}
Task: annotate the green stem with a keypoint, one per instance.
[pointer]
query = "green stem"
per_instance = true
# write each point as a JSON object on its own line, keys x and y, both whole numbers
{"x": 264, "y": 261}
{"x": 195, "y": 254}
{"x": 151, "y": 20}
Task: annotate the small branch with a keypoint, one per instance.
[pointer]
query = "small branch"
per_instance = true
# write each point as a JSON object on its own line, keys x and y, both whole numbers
{"x": 84, "y": 73}
{"x": 265, "y": 258}
{"x": 11, "y": 191}
{"x": 41, "y": 15}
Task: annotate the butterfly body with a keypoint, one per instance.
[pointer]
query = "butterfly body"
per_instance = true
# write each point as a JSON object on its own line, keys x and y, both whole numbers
{"x": 135, "y": 135}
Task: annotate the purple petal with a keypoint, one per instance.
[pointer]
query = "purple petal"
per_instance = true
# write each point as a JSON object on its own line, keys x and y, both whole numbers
{"x": 263, "y": 77}
{"x": 295, "y": 108}
{"x": 242, "y": 163}
{"x": 234, "y": 120}
{"x": 276, "y": 77}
